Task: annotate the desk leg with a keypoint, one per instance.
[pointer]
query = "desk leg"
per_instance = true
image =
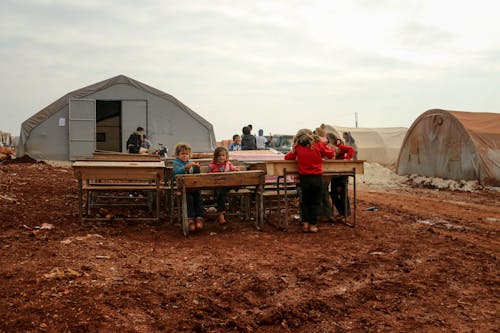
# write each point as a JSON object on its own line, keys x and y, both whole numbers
{"x": 172, "y": 198}
{"x": 185, "y": 226}
{"x": 261, "y": 204}
{"x": 157, "y": 198}
{"x": 285, "y": 179}
{"x": 259, "y": 207}
{"x": 88, "y": 199}
{"x": 353, "y": 224}
{"x": 80, "y": 200}
{"x": 354, "y": 198}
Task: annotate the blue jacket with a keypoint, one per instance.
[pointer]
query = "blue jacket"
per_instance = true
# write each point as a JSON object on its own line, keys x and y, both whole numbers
{"x": 179, "y": 167}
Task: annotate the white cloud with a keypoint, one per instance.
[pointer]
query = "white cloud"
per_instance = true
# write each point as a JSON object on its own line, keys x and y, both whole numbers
{"x": 280, "y": 65}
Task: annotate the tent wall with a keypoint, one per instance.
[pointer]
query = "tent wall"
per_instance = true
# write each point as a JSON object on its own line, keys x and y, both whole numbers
{"x": 49, "y": 141}
{"x": 441, "y": 144}
{"x": 379, "y": 145}
{"x": 167, "y": 120}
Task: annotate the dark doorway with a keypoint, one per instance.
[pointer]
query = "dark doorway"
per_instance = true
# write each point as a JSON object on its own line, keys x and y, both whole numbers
{"x": 108, "y": 125}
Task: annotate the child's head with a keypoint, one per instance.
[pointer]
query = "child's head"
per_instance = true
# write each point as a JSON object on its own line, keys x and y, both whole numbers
{"x": 332, "y": 138}
{"x": 236, "y": 139}
{"x": 221, "y": 155}
{"x": 304, "y": 137}
{"x": 183, "y": 151}
{"x": 261, "y": 132}
{"x": 320, "y": 132}
{"x": 246, "y": 130}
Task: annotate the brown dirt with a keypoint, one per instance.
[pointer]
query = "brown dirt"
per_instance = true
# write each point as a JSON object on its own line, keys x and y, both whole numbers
{"x": 426, "y": 261}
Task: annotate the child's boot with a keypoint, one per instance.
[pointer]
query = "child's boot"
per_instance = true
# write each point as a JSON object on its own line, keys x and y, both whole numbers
{"x": 222, "y": 219}
{"x": 199, "y": 223}
{"x": 313, "y": 228}
{"x": 191, "y": 225}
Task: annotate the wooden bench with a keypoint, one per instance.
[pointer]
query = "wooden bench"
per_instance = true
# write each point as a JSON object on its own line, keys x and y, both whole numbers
{"x": 235, "y": 179}
{"x": 112, "y": 176}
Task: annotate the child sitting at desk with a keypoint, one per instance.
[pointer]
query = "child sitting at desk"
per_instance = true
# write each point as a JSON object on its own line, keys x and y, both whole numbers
{"x": 309, "y": 151}
{"x": 181, "y": 165}
{"x": 221, "y": 163}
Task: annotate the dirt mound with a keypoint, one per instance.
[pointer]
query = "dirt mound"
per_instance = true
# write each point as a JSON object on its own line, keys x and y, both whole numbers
{"x": 423, "y": 261}
{"x": 23, "y": 159}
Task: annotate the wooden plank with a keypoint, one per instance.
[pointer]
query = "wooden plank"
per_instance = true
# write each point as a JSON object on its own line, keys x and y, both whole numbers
{"x": 119, "y": 174}
{"x": 277, "y": 167}
{"x": 110, "y": 170}
{"x": 108, "y": 187}
{"x": 127, "y": 164}
{"x": 221, "y": 179}
{"x": 116, "y": 156}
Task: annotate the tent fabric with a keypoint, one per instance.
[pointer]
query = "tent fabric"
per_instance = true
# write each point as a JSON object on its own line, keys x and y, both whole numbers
{"x": 35, "y": 120}
{"x": 453, "y": 145}
{"x": 6, "y": 139}
{"x": 379, "y": 145}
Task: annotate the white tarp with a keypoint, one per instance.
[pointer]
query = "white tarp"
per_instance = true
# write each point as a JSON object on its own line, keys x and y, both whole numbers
{"x": 380, "y": 145}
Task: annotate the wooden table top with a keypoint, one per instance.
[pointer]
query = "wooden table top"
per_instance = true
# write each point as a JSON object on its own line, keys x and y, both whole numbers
{"x": 118, "y": 164}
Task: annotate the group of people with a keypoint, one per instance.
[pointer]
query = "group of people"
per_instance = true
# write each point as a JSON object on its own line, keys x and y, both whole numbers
{"x": 247, "y": 141}
{"x": 220, "y": 163}
{"x": 309, "y": 149}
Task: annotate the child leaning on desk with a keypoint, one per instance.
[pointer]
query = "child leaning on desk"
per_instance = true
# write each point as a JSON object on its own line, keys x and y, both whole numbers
{"x": 221, "y": 163}
{"x": 182, "y": 165}
{"x": 309, "y": 151}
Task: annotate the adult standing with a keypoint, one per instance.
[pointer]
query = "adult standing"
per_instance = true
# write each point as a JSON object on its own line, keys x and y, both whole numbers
{"x": 261, "y": 140}
{"x": 135, "y": 141}
{"x": 248, "y": 141}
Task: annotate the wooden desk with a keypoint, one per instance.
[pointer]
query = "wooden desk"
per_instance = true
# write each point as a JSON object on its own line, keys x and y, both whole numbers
{"x": 117, "y": 176}
{"x": 126, "y": 157}
{"x": 285, "y": 168}
{"x": 214, "y": 180}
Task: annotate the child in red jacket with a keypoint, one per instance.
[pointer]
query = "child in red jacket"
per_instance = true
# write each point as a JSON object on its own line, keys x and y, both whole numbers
{"x": 309, "y": 151}
{"x": 339, "y": 184}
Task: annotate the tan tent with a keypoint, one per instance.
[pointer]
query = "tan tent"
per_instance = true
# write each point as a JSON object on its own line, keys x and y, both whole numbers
{"x": 453, "y": 145}
{"x": 380, "y": 145}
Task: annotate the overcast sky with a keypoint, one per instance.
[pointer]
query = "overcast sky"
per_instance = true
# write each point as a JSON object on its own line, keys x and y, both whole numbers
{"x": 279, "y": 65}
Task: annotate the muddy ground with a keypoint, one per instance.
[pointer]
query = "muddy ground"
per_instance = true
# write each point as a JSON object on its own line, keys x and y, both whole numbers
{"x": 425, "y": 261}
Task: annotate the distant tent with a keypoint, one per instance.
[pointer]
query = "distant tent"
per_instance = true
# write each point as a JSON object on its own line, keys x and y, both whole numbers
{"x": 102, "y": 116}
{"x": 6, "y": 139}
{"x": 380, "y": 145}
{"x": 453, "y": 145}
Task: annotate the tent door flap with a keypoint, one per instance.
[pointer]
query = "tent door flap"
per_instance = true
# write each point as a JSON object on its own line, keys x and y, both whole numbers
{"x": 82, "y": 128}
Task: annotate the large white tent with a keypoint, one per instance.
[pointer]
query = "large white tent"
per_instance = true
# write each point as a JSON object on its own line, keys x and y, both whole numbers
{"x": 102, "y": 116}
{"x": 379, "y": 145}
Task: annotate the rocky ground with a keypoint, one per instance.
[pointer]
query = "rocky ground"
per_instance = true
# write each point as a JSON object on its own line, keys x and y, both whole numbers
{"x": 424, "y": 261}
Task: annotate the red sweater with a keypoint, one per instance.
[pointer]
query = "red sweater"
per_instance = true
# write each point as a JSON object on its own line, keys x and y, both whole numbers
{"x": 222, "y": 167}
{"x": 310, "y": 160}
{"x": 345, "y": 153}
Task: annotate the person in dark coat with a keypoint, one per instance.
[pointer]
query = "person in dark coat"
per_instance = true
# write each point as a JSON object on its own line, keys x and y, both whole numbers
{"x": 248, "y": 141}
{"x": 135, "y": 140}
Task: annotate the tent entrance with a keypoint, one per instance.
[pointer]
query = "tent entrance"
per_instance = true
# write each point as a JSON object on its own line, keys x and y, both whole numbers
{"x": 108, "y": 125}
